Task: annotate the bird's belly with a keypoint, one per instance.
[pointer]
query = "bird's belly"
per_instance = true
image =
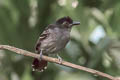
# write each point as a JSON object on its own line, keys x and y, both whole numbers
{"x": 61, "y": 44}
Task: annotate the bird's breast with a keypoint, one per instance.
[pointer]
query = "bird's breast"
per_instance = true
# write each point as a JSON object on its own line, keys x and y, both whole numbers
{"x": 61, "y": 38}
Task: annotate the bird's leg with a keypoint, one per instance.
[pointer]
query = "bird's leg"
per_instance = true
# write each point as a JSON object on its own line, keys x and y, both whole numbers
{"x": 59, "y": 58}
{"x": 41, "y": 55}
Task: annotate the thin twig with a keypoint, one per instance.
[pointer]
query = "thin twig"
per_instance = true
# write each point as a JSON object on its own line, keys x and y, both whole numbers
{"x": 54, "y": 60}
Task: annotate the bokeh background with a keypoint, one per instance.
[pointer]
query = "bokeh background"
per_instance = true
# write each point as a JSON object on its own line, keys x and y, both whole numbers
{"x": 94, "y": 44}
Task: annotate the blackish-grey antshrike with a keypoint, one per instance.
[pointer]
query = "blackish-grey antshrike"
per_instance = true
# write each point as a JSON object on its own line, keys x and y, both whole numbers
{"x": 52, "y": 40}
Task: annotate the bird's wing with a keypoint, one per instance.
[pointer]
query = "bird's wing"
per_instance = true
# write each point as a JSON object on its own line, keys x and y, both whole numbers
{"x": 43, "y": 36}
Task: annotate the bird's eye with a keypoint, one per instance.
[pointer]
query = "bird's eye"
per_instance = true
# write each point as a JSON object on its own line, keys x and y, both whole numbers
{"x": 65, "y": 23}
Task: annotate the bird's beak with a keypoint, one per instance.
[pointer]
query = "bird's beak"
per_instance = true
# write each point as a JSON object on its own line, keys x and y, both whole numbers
{"x": 75, "y": 23}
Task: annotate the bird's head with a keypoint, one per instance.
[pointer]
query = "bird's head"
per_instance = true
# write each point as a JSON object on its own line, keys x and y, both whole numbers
{"x": 67, "y": 22}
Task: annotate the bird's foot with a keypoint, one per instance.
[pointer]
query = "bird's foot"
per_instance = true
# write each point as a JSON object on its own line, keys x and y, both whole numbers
{"x": 40, "y": 55}
{"x": 60, "y": 59}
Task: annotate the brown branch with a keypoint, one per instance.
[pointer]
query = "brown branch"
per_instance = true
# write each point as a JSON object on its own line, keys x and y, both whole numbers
{"x": 54, "y": 60}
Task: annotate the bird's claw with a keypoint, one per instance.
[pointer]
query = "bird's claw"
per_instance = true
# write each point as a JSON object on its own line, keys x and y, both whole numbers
{"x": 40, "y": 55}
{"x": 60, "y": 59}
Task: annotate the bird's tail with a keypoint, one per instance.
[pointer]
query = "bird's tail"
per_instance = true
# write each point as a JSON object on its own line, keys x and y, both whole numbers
{"x": 39, "y": 65}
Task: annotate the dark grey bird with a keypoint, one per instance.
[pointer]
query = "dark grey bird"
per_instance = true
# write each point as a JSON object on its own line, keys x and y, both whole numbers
{"x": 53, "y": 39}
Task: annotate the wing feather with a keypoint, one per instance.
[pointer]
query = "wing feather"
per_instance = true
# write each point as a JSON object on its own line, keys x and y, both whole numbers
{"x": 43, "y": 36}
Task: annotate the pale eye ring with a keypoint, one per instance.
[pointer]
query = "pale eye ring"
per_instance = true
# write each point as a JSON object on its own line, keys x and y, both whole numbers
{"x": 65, "y": 23}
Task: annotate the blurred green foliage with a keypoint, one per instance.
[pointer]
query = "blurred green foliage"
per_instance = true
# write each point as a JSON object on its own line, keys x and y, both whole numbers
{"x": 22, "y": 21}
